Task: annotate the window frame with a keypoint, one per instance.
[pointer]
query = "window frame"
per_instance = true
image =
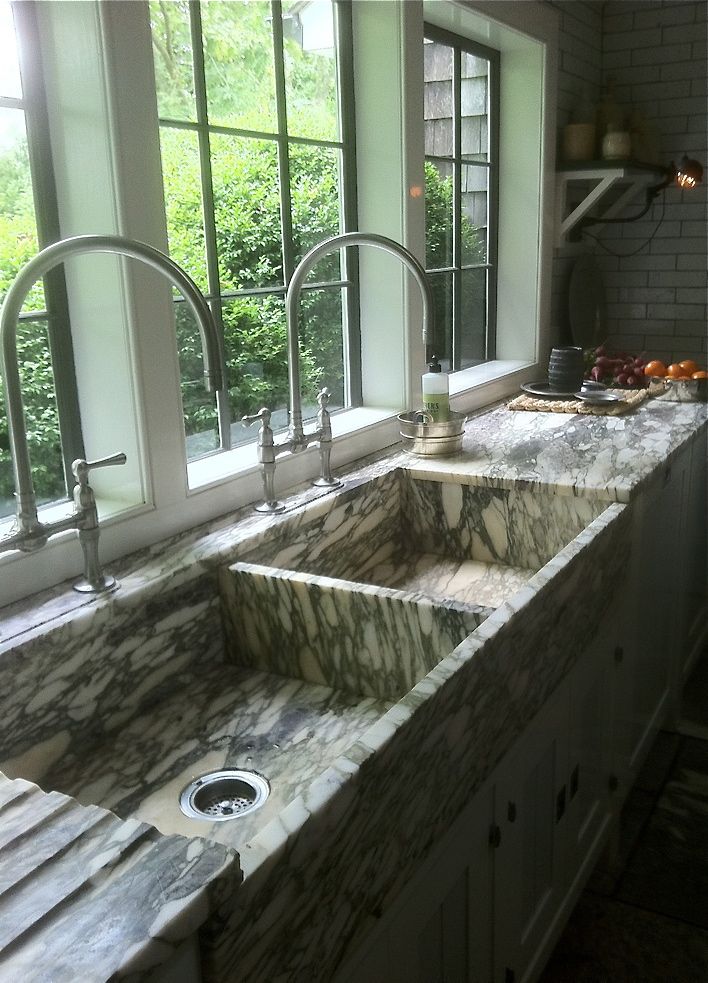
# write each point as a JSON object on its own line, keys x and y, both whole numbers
{"x": 107, "y": 166}
{"x": 461, "y": 44}
{"x": 282, "y": 138}
{"x": 55, "y": 316}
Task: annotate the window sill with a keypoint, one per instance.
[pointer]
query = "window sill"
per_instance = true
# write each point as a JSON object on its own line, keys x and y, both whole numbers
{"x": 209, "y": 471}
{"x": 483, "y": 375}
{"x": 226, "y": 482}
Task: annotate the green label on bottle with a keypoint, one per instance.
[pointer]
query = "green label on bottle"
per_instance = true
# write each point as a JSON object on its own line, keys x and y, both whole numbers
{"x": 438, "y": 406}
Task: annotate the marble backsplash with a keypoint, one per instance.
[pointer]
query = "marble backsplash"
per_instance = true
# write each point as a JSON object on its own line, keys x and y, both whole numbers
{"x": 85, "y": 679}
{"x": 390, "y": 517}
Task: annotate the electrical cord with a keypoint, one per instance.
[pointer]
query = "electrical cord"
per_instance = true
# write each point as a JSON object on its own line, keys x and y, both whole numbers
{"x": 634, "y": 252}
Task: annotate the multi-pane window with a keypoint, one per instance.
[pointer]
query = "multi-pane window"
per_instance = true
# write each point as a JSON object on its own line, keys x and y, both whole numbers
{"x": 461, "y": 107}
{"x": 28, "y": 221}
{"x": 254, "y": 100}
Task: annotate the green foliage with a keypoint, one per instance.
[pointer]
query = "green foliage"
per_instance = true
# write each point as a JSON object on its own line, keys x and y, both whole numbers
{"x": 438, "y": 248}
{"x": 246, "y": 205}
{"x": 18, "y": 244}
{"x": 248, "y": 221}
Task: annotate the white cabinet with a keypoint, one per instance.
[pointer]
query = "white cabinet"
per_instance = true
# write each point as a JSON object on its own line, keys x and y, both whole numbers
{"x": 553, "y": 806}
{"x": 439, "y": 929}
{"x": 665, "y": 596}
{"x": 692, "y": 560}
{"x": 590, "y": 758}
{"x": 489, "y": 902}
{"x": 530, "y": 809}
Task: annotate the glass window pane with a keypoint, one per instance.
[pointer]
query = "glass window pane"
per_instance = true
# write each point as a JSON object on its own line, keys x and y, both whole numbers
{"x": 247, "y": 212}
{"x": 314, "y": 179}
{"x": 474, "y": 214}
{"x": 172, "y": 53}
{"x": 18, "y": 227}
{"x": 238, "y": 64}
{"x": 183, "y": 201}
{"x": 441, "y": 340}
{"x": 438, "y": 214}
{"x": 256, "y": 360}
{"x": 10, "y": 83}
{"x": 41, "y": 420}
{"x": 438, "y": 103}
{"x": 474, "y": 109}
{"x": 310, "y": 69}
{"x": 473, "y": 317}
{"x": 198, "y": 406}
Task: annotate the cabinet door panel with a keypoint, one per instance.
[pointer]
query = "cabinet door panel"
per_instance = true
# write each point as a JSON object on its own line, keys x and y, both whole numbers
{"x": 589, "y": 748}
{"x": 439, "y": 929}
{"x": 657, "y": 585}
{"x": 530, "y": 809}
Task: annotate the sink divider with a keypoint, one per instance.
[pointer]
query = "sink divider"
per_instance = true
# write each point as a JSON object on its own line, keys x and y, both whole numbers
{"x": 367, "y": 640}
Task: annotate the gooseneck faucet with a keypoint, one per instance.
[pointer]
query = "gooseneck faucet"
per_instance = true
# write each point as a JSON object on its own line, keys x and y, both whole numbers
{"x": 28, "y": 533}
{"x": 297, "y": 439}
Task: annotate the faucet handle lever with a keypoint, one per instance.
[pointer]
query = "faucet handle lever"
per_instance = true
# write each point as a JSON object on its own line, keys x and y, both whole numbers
{"x": 263, "y": 414}
{"x": 81, "y": 468}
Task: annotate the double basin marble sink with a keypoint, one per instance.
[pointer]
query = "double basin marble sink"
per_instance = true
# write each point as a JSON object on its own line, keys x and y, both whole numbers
{"x": 328, "y": 617}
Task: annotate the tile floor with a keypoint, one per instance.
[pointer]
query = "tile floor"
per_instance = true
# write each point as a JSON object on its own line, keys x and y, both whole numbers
{"x": 644, "y": 919}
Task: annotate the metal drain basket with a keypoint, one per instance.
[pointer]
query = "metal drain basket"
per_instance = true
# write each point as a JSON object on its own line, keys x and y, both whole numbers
{"x": 424, "y": 438}
{"x": 222, "y": 795}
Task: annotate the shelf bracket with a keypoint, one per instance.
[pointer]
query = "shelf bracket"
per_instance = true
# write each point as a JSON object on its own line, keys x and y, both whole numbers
{"x": 635, "y": 179}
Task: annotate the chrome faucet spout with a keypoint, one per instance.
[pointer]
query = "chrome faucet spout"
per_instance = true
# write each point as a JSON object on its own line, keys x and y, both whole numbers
{"x": 297, "y": 439}
{"x": 292, "y": 303}
{"x": 30, "y": 533}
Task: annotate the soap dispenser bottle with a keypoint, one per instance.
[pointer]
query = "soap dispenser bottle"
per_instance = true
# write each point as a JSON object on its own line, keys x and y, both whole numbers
{"x": 436, "y": 392}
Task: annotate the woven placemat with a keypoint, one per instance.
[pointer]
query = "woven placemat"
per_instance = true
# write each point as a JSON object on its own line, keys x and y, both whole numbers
{"x": 630, "y": 399}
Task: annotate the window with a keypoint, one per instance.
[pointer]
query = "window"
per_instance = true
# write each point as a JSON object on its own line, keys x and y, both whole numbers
{"x": 99, "y": 63}
{"x": 461, "y": 112}
{"x": 28, "y": 221}
{"x": 254, "y": 100}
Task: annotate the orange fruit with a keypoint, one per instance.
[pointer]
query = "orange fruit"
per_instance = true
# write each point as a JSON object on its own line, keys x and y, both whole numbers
{"x": 655, "y": 368}
{"x": 701, "y": 374}
{"x": 689, "y": 366}
{"x": 675, "y": 371}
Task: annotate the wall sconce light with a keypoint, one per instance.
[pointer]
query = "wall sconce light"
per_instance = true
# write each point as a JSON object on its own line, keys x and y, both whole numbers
{"x": 689, "y": 173}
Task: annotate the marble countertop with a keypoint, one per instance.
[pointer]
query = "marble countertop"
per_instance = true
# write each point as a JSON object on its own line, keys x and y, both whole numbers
{"x": 68, "y": 875}
{"x": 183, "y": 879}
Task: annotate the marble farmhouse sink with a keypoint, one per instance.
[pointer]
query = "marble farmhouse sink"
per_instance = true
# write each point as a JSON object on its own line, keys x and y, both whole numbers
{"x": 328, "y": 618}
{"x": 370, "y": 595}
{"x": 122, "y": 700}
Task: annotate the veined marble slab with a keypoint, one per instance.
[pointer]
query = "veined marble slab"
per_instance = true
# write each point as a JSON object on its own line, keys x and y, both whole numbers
{"x": 606, "y": 458}
{"x": 81, "y": 682}
{"x": 123, "y": 878}
{"x": 330, "y": 608}
{"x": 358, "y": 831}
{"x": 396, "y": 517}
{"x": 286, "y": 730}
{"x": 441, "y": 741}
{"x": 355, "y": 637}
{"x": 466, "y": 581}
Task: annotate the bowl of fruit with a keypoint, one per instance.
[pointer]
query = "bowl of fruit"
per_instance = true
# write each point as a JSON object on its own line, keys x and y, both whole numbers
{"x": 684, "y": 381}
{"x": 679, "y": 382}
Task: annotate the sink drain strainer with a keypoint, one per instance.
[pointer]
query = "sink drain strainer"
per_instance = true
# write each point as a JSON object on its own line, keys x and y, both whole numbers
{"x": 222, "y": 795}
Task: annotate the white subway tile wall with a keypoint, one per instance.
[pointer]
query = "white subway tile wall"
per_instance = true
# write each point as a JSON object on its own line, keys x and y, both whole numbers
{"x": 656, "y": 50}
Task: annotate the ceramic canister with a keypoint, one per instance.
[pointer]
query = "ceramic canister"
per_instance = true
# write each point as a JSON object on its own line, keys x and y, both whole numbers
{"x": 566, "y": 368}
{"x": 578, "y": 141}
